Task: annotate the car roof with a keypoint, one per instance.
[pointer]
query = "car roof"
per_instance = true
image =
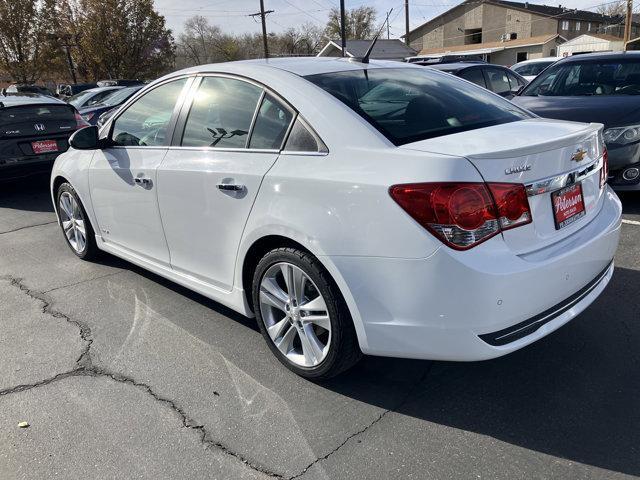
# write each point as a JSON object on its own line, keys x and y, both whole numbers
{"x": 630, "y": 55}
{"x": 23, "y": 98}
{"x": 457, "y": 66}
{"x": 539, "y": 60}
{"x": 300, "y": 66}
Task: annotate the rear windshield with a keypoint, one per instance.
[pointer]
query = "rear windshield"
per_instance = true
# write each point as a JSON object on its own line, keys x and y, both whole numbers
{"x": 531, "y": 69}
{"x": 411, "y": 104}
{"x": 120, "y": 96}
{"x": 35, "y": 113}
{"x": 615, "y": 77}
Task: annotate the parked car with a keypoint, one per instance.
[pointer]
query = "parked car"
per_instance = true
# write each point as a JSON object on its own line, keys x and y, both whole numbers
{"x": 496, "y": 78}
{"x": 378, "y": 208}
{"x": 92, "y": 113}
{"x": 602, "y": 88}
{"x": 22, "y": 88}
{"x": 530, "y": 69}
{"x": 68, "y": 90}
{"x": 88, "y": 98}
{"x": 119, "y": 83}
{"x": 34, "y": 130}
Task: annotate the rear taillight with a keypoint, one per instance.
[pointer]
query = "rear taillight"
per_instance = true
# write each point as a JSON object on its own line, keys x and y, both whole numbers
{"x": 604, "y": 171}
{"x": 463, "y": 215}
{"x": 80, "y": 122}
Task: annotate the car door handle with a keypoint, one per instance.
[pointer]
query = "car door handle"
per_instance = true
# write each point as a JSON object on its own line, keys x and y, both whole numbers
{"x": 230, "y": 187}
{"x": 145, "y": 182}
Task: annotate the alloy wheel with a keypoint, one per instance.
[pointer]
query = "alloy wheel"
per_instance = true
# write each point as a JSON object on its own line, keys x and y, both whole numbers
{"x": 73, "y": 222}
{"x": 295, "y": 314}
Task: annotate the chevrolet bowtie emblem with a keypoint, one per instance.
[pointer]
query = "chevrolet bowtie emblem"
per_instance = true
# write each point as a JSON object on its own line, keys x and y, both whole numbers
{"x": 579, "y": 155}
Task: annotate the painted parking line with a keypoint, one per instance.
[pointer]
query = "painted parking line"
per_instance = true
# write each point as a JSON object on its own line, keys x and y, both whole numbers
{"x": 630, "y": 222}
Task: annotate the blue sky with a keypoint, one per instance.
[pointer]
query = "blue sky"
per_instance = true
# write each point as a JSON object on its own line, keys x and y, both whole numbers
{"x": 231, "y": 15}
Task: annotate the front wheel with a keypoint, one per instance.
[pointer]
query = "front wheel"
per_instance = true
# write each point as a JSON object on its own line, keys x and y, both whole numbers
{"x": 75, "y": 224}
{"x": 302, "y": 316}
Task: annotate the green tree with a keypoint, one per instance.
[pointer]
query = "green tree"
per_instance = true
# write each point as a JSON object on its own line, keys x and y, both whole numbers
{"x": 360, "y": 23}
{"x": 25, "y": 47}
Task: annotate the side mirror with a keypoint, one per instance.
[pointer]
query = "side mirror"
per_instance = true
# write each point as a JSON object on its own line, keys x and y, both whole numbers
{"x": 85, "y": 139}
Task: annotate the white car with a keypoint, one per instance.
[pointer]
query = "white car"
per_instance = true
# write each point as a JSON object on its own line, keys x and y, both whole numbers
{"x": 376, "y": 208}
{"x": 530, "y": 69}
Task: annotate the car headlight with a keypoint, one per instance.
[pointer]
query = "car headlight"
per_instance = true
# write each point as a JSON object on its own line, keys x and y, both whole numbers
{"x": 622, "y": 135}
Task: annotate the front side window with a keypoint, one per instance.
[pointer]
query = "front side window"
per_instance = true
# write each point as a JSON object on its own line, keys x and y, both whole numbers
{"x": 271, "y": 124}
{"x": 587, "y": 78}
{"x": 221, "y": 113}
{"x": 145, "y": 122}
{"x": 410, "y": 104}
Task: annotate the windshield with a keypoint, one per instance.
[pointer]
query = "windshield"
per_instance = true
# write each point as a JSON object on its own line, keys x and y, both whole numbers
{"x": 601, "y": 77}
{"x": 531, "y": 69}
{"x": 411, "y": 104}
{"x": 119, "y": 96}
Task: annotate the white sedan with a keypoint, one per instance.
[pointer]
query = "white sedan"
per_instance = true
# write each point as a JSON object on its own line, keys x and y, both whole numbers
{"x": 377, "y": 208}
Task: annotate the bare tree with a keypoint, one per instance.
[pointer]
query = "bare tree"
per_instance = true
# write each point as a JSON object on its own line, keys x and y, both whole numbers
{"x": 360, "y": 23}
{"x": 613, "y": 9}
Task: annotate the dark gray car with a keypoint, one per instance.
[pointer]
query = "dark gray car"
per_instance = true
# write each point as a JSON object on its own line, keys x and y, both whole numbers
{"x": 602, "y": 88}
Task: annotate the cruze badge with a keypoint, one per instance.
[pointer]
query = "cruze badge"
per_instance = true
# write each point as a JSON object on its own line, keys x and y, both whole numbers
{"x": 579, "y": 155}
{"x": 517, "y": 169}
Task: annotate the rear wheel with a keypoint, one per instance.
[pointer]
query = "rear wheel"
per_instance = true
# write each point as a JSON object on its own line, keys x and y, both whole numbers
{"x": 75, "y": 225}
{"x": 302, "y": 316}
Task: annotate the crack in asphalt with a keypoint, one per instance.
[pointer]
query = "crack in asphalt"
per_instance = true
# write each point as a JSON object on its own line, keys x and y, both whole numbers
{"x": 61, "y": 287}
{"x": 28, "y": 226}
{"x": 400, "y": 404}
{"x": 86, "y": 368}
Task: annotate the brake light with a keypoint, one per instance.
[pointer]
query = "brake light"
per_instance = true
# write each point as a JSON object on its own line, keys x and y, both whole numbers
{"x": 464, "y": 215}
{"x": 604, "y": 171}
{"x": 80, "y": 122}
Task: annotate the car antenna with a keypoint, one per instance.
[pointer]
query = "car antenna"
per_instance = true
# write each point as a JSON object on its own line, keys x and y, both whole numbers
{"x": 365, "y": 58}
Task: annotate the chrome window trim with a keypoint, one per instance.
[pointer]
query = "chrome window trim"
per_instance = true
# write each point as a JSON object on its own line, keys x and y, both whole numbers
{"x": 223, "y": 149}
{"x": 557, "y": 182}
{"x": 256, "y": 112}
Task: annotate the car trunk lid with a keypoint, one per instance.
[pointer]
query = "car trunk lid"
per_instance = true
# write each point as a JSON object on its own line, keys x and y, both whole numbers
{"x": 36, "y": 120}
{"x": 544, "y": 155}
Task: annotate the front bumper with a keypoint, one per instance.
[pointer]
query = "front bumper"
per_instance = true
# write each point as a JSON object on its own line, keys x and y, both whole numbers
{"x": 441, "y": 307}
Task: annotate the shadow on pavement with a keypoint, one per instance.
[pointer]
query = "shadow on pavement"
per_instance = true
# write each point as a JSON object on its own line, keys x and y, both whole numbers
{"x": 27, "y": 194}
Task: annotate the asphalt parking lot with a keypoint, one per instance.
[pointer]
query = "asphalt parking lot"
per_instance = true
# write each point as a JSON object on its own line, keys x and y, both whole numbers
{"x": 121, "y": 374}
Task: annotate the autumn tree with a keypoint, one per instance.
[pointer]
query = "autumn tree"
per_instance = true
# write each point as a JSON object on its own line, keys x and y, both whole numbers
{"x": 360, "y": 23}
{"x": 118, "y": 38}
{"x": 25, "y": 45}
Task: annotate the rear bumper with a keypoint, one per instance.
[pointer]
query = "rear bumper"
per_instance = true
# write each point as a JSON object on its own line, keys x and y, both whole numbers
{"x": 451, "y": 305}
{"x": 11, "y": 169}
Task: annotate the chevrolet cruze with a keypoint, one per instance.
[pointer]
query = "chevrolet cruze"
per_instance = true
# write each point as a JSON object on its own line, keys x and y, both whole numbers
{"x": 352, "y": 207}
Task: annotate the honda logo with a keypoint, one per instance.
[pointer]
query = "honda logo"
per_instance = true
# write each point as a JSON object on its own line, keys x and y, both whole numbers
{"x": 39, "y": 127}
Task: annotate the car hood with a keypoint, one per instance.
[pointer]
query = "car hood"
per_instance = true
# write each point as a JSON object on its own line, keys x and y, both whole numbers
{"x": 610, "y": 110}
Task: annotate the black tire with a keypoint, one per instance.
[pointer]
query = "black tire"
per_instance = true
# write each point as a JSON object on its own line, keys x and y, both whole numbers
{"x": 90, "y": 250}
{"x": 344, "y": 351}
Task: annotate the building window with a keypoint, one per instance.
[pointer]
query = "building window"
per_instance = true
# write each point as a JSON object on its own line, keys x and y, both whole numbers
{"x": 473, "y": 35}
{"x": 565, "y": 25}
{"x": 589, "y": 27}
{"x": 577, "y": 26}
{"x": 521, "y": 56}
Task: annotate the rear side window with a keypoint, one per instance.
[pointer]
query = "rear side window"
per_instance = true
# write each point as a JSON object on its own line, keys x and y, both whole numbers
{"x": 35, "y": 113}
{"x": 410, "y": 104}
{"x": 474, "y": 75}
{"x": 302, "y": 140}
{"x": 221, "y": 113}
{"x": 271, "y": 124}
{"x": 498, "y": 81}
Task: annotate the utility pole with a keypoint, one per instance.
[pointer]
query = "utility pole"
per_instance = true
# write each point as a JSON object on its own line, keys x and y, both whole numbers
{"x": 67, "y": 42}
{"x": 343, "y": 29}
{"x": 406, "y": 22}
{"x": 627, "y": 23}
{"x": 263, "y": 16}
{"x": 388, "y": 13}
